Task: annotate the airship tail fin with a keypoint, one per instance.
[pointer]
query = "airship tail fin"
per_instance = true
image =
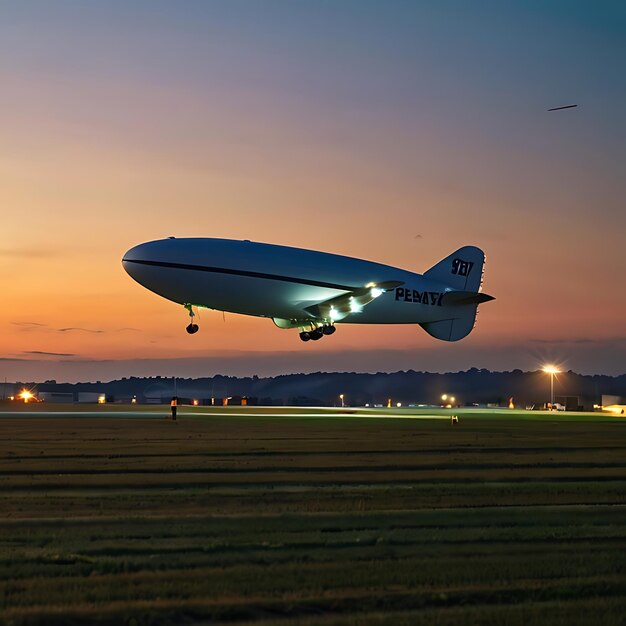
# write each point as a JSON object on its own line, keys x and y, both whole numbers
{"x": 462, "y": 270}
{"x": 455, "y": 328}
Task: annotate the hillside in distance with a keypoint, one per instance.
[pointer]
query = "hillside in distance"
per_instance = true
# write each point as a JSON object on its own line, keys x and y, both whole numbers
{"x": 410, "y": 387}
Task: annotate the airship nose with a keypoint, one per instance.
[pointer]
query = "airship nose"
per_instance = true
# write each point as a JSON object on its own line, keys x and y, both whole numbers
{"x": 136, "y": 257}
{"x": 128, "y": 258}
{"x": 151, "y": 265}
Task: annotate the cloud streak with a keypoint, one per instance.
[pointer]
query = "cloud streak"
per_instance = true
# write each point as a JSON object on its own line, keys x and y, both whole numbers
{"x": 70, "y": 329}
{"x": 28, "y": 253}
{"x": 28, "y": 326}
{"x": 43, "y": 353}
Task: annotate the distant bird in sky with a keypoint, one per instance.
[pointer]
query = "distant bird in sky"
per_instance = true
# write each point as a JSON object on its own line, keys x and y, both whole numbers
{"x": 567, "y": 106}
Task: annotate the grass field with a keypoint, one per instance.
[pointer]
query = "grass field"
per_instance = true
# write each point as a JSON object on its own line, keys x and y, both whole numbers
{"x": 274, "y": 516}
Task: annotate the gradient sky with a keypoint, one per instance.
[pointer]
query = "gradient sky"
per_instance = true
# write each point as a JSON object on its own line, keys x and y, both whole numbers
{"x": 392, "y": 131}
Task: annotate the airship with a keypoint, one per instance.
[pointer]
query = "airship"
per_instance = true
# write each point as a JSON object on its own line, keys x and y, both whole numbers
{"x": 308, "y": 290}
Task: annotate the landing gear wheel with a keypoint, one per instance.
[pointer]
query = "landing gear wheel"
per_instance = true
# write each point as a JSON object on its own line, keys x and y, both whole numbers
{"x": 328, "y": 330}
{"x": 316, "y": 334}
{"x": 304, "y": 336}
{"x": 192, "y": 329}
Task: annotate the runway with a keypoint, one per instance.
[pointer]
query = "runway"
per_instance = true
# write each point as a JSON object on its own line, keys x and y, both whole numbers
{"x": 269, "y": 516}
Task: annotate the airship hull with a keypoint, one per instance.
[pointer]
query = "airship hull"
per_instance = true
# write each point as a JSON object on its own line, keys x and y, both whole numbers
{"x": 297, "y": 287}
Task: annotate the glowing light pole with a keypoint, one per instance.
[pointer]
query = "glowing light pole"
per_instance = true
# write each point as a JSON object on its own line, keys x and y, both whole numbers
{"x": 26, "y": 395}
{"x": 550, "y": 369}
{"x": 341, "y": 398}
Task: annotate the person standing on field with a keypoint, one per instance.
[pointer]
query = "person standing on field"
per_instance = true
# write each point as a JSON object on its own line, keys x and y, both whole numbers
{"x": 173, "y": 405}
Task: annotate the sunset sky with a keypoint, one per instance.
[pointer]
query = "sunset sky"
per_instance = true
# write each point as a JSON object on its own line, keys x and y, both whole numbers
{"x": 391, "y": 131}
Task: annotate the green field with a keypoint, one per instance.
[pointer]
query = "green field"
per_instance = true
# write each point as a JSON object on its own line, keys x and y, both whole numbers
{"x": 116, "y": 515}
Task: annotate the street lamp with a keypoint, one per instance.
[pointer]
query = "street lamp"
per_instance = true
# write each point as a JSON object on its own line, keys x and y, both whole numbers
{"x": 341, "y": 398}
{"x": 550, "y": 369}
{"x": 26, "y": 395}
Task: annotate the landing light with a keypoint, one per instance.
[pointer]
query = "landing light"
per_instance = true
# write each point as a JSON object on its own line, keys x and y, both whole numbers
{"x": 334, "y": 314}
{"x": 376, "y": 292}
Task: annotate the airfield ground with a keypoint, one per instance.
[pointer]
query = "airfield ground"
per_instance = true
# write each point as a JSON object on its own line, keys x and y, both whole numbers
{"x": 275, "y": 516}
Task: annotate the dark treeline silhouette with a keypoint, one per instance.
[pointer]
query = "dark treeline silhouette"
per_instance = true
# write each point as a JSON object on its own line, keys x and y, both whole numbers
{"x": 410, "y": 387}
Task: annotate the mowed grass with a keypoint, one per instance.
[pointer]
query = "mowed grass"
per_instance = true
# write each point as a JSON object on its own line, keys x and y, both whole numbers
{"x": 272, "y": 516}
